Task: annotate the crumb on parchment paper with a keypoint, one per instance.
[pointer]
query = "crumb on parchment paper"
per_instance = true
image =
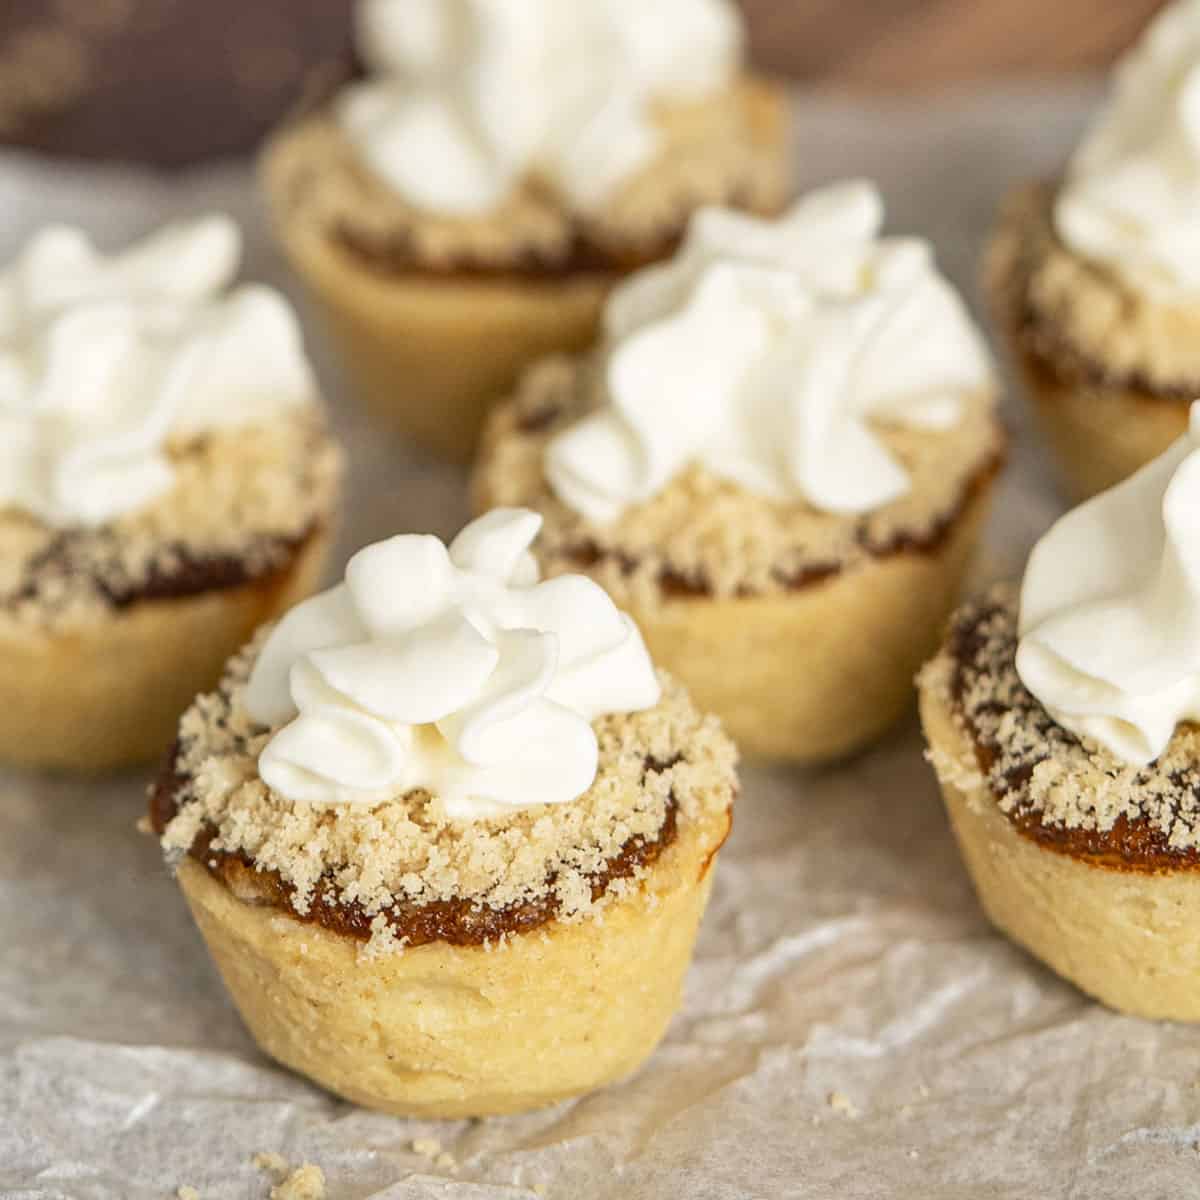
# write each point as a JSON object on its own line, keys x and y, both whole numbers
{"x": 841, "y": 1103}
{"x": 187, "y": 1193}
{"x": 304, "y": 1183}
{"x": 267, "y": 1160}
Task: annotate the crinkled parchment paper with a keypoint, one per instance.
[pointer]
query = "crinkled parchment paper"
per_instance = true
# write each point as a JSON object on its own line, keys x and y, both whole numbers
{"x": 852, "y": 1027}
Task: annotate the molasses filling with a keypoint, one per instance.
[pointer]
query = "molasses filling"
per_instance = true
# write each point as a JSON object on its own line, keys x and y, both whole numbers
{"x": 176, "y": 572}
{"x": 1065, "y": 794}
{"x": 458, "y": 921}
{"x": 1046, "y": 294}
{"x": 580, "y": 254}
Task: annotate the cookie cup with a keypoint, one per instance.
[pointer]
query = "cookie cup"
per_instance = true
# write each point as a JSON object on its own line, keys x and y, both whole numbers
{"x": 442, "y": 1030}
{"x": 1121, "y": 931}
{"x": 107, "y": 693}
{"x": 430, "y": 343}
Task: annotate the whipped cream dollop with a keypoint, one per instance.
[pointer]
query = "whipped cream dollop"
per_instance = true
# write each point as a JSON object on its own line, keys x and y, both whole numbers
{"x": 1110, "y": 609}
{"x": 104, "y": 359}
{"x": 465, "y": 98}
{"x": 764, "y": 351}
{"x": 1131, "y": 199}
{"x": 454, "y": 671}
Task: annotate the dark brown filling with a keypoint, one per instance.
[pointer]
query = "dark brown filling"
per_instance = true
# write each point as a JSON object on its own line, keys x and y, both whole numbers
{"x": 1131, "y": 844}
{"x": 176, "y": 572}
{"x": 695, "y": 584}
{"x": 460, "y": 922}
{"x": 1050, "y": 352}
{"x": 580, "y": 254}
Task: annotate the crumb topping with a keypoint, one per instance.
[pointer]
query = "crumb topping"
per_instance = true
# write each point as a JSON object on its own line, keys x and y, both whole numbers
{"x": 241, "y": 502}
{"x": 1069, "y": 793}
{"x": 665, "y": 768}
{"x": 728, "y": 149}
{"x": 1078, "y": 316}
{"x": 704, "y": 535}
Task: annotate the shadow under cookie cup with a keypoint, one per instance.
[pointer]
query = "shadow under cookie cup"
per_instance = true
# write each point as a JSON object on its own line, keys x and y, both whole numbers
{"x": 1109, "y": 906}
{"x": 456, "y": 1008}
{"x": 430, "y": 341}
{"x": 1101, "y": 420}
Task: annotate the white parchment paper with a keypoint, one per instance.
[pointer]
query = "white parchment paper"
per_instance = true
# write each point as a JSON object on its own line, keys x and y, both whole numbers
{"x": 843, "y": 955}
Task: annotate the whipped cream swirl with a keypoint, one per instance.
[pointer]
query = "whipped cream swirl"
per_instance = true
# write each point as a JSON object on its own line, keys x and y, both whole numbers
{"x": 764, "y": 351}
{"x": 1110, "y": 609}
{"x": 454, "y": 671}
{"x": 104, "y": 359}
{"x": 468, "y": 97}
{"x": 1132, "y": 195}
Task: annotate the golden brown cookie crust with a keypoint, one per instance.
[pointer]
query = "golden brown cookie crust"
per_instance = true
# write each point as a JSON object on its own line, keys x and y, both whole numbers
{"x": 702, "y": 535}
{"x": 1078, "y": 317}
{"x": 402, "y": 872}
{"x": 242, "y": 502}
{"x": 729, "y": 149}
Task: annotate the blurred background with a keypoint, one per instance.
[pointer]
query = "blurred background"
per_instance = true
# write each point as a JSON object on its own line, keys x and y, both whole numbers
{"x": 174, "y": 81}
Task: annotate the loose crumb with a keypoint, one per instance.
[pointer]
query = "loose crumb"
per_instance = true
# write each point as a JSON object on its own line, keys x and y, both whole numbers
{"x": 704, "y": 533}
{"x": 446, "y": 1161}
{"x": 187, "y": 1193}
{"x": 841, "y": 1103}
{"x": 267, "y": 1160}
{"x": 426, "y": 1147}
{"x": 305, "y": 1183}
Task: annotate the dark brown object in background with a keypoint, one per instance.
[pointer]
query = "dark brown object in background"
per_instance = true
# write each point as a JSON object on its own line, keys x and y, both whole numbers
{"x": 163, "y": 81}
{"x": 172, "y": 81}
{"x": 913, "y": 44}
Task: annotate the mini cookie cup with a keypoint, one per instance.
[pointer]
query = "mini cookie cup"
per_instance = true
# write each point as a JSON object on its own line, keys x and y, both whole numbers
{"x": 453, "y": 1007}
{"x": 1108, "y": 905}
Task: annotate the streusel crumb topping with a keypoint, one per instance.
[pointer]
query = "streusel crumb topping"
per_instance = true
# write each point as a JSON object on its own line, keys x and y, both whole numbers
{"x": 241, "y": 501}
{"x": 1078, "y": 316}
{"x": 669, "y": 763}
{"x": 1041, "y": 774}
{"x": 702, "y": 534}
{"x": 729, "y": 149}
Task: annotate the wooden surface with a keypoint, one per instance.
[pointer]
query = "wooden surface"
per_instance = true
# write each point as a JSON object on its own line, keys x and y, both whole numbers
{"x": 914, "y": 44}
{"x": 171, "y": 81}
